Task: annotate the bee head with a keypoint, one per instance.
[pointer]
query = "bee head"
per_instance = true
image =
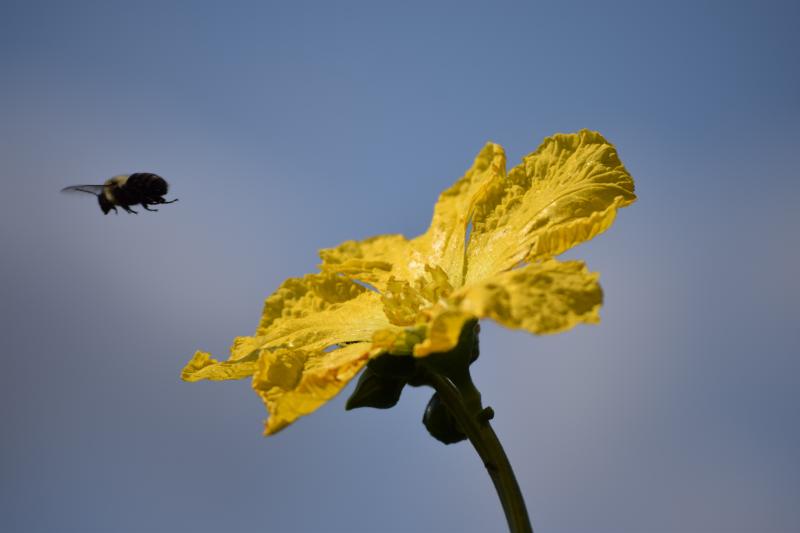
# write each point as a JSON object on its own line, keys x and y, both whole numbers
{"x": 105, "y": 205}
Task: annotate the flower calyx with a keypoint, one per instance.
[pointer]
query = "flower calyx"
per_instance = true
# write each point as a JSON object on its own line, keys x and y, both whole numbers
{"x": 384, "y": 378}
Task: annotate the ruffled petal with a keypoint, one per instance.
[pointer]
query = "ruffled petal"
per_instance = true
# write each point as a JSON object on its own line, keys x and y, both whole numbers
{"x": 318, "y": 311}
{"x": 547, "y": 297}
{"x": 443, "y": 244}
{"x": 443, "y": 332}
{"x": 564, "y": 193}
{"x": 241, "y": 364}
{"x": 311, "y": 313}
{"x": 399, "y": 341}
{"x": 293, "y": 383}
{"x": 203, "y": 366}
{"x": 374, "y": 260}
{"x": 378, "y": 259}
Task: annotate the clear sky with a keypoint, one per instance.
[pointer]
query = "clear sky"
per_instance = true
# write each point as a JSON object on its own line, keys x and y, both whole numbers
{"x": 287, "y": 127}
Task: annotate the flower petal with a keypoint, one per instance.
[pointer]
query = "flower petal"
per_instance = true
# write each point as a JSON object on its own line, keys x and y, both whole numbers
{"x": 564, "y": 193}
{"x": 443, "y": 244}
{"x": 372, "y": 260}
{"x": 377, "y": 259}
{"x": 399, "y": 341}
{"x": 203, "y": 366}
{"x": 546, "y": 297}
{"x": 242, "y": 363}
{"x": 318, "y": 311}
{"x": 444, "y": 332}
{"x": 310, "y": 313}
{"x": 293, "y": 383}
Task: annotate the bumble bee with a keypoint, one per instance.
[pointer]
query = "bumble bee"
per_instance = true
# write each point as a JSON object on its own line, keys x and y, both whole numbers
{"x": 124, "y": 191}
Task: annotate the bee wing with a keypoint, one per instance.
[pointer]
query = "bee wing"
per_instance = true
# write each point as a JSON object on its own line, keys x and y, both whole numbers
{"x": 91, "y": 189}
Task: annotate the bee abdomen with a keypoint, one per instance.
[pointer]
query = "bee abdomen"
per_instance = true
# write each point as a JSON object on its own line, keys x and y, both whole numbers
{"x": 147, "y": 185}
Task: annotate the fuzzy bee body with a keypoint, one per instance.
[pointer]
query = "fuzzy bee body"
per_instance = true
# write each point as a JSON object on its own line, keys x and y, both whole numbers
{"x": 124, "y": 191}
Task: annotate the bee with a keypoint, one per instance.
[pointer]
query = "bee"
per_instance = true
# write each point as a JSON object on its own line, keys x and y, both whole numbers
{"x": 124, "y": 191}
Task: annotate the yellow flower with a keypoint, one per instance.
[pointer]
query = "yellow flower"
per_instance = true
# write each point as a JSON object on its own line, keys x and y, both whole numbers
{"x": 487, "y": 253}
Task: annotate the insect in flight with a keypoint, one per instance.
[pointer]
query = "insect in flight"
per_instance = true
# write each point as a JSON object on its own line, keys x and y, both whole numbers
{"x": 124, "y": 191}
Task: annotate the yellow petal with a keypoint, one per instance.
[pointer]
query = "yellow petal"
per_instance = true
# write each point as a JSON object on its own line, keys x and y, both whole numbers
{"x": 377, "y": 259}
{"x": 443, "y": 244}
{"x": 310, "y": 313}
{"x": 293, "y": 383}
{"x": 398, "y": 341}
{"x": 373, "y": 260}
{"x": 203, "y": 366}
{"x": 443, "y": 332}
{"x": 546, "y": 297}
{"x": 564, "y": 193}
{"x": 318, "y": 311}
{"x": 242, "y": 363}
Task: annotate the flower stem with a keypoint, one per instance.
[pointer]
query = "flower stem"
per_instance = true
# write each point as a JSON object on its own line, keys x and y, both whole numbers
{"x": 465, "y": 405}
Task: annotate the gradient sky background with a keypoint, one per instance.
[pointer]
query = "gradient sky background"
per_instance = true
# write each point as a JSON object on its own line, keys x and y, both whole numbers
{"x": 288, "y": 127}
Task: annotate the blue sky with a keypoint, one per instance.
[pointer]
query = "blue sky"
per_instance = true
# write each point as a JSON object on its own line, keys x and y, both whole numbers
{"x": 287, "y": 127}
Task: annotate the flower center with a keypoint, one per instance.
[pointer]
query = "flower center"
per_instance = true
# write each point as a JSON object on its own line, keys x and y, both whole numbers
{"x": 409, "y": 304}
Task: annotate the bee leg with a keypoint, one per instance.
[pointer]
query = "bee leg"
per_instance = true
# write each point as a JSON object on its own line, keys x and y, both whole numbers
{"x": 166, "y": 202}
{"x": 147, "y": 208}
{"x": 129, "y": 210}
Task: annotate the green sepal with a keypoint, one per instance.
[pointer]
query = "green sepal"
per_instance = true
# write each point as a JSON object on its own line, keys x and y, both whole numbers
{"x": 374, "y": 390}
{"x": 440, "y": 423}
{"x": 402, "y": 367}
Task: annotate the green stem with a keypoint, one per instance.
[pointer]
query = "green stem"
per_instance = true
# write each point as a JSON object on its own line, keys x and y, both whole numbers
{"x": 474, "y": 422}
